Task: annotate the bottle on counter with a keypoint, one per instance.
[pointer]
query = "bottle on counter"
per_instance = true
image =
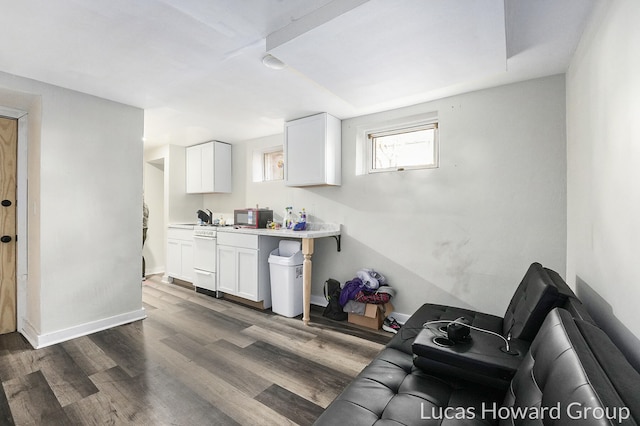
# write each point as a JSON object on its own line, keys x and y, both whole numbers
{"x": 290, "y": 218}
{"x": 287, "y": 218}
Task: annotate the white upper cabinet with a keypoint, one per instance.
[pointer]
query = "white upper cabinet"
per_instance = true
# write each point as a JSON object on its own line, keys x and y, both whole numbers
{"x": 313, "y": 151}
{"x": 209, "y": 168}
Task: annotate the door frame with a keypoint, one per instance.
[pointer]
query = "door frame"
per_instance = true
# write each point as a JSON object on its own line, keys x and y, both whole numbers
{"x": 21, "y": 213}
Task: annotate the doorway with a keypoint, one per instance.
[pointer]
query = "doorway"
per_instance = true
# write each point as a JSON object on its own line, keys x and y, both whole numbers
{"x": 8, "y": 201}
{"x": 154, "y": 196}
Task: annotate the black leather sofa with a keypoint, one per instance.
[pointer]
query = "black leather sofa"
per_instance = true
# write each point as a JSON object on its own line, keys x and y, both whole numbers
{"x": 540, "y": 290}
{"x": 570, "y": 374}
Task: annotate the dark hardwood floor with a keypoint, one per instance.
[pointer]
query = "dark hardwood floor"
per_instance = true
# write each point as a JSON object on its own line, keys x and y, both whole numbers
{"x": 195, "y": 360}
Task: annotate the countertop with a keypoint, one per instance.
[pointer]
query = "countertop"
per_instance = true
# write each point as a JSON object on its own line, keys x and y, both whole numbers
{"x": 314, "y": 230}
{"x": 183, "y": 225}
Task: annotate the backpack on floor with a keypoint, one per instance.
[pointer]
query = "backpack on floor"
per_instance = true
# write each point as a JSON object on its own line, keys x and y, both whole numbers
{"x": 333, "y": 310}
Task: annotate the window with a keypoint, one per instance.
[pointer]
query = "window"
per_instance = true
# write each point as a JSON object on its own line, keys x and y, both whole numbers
{"x": 273, "y": 165}
{"x": 402, "y": 148}
{"x": 268, "y": 164}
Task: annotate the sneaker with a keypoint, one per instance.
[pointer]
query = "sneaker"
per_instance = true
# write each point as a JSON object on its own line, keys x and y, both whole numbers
{"x": 391, "y": 325}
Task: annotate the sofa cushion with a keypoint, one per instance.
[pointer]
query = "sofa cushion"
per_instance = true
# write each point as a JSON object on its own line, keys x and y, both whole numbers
{"x": 573, "y": 368}
{"x": 392, "y": 391}
{"x": 536, "y": 295}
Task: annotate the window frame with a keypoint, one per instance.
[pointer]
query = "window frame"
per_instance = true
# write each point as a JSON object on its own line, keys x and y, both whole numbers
{"x": 267, "y": 153}
{"x": 399, "y": 128}
{"x": 258, "y": 163}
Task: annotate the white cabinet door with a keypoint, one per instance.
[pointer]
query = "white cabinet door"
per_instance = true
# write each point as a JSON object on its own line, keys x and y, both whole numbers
{"x": 222, "y": 167}
{"x": 180, "y": 260}
{"x": 247, "y": 273}
{"x": 180, "y": 254}
{"x": 226, "y": 274}
{"x": 312, "y": 150}
{"x": 186, "y": 257}
{"x": 208, "y": 168}
{"x": 243, "y": 268}
{"x": 194, "y": 169}
{"x": 173, "y": 258}
{"x": 207, "y": 151}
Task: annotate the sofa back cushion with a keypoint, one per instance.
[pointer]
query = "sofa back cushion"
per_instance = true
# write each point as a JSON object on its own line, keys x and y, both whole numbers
{"x": 574, "y": 374}
{"x": 536, "y": 295}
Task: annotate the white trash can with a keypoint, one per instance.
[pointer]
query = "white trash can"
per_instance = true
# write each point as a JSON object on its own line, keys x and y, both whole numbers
{"x": 285, "y": 270}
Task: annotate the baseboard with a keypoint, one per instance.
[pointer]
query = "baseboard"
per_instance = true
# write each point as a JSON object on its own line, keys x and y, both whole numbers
{"x": 318, "y": 300}
{"x": 401, "y": 318}
{"x": 154, "y": 271}
{"x": 42, "y": 340}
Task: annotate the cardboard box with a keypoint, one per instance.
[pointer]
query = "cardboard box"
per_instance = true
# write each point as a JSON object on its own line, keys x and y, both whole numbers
{"x": 373, "y": 316}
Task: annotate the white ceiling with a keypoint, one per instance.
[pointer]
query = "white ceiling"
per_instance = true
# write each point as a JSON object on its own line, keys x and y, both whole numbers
{"x": 195, "y": 65}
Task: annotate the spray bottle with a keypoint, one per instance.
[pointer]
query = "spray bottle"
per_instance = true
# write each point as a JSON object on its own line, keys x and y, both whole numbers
{"x": 287, "y": 219}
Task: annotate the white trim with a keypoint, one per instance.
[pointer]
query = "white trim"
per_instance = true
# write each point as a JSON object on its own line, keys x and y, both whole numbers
{"x": 154, "y": 271}
{"x": 318, "y": 300}
{"x": 42, "y": 340}
{"x": 401, "y": 318}
{"x": 363, "y": 150}
{"x": 399, "y": 129}
{"x": 6, "y": 111}
{"x": 257, "y": 163}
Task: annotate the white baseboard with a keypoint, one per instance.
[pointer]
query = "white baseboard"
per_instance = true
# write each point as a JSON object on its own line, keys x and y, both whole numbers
{"x": 400, "y": 317}
{"x": 154, "y": 271}
{"x": 318, "y": 300}
{"x": 42, "y": 340}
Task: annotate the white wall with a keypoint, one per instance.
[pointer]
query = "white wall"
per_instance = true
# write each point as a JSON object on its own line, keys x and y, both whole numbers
{"x": 84, "y": 211}
{"x": 603, "y": 106}
{"x": 461, "y": 234}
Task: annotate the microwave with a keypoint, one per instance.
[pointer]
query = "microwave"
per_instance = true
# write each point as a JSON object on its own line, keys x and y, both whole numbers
{"x": 252, "y": 218}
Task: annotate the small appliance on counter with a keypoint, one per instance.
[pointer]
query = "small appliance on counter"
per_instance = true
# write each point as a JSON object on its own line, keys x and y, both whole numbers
{"x": 252, "y": 218}
{"x": 204, "y": 217}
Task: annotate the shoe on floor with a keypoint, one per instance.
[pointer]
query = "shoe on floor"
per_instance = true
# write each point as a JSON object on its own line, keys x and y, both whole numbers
{"x": 391, "y": 325}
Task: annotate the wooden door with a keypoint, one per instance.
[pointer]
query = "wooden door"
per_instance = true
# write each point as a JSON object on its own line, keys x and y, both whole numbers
{"x": 8, "y": 159}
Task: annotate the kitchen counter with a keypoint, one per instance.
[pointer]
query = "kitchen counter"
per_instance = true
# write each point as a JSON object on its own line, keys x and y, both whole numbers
{"x": 183, "y": 225}
{"x": 313, "y": 231}
{"x": 308, "y": 236}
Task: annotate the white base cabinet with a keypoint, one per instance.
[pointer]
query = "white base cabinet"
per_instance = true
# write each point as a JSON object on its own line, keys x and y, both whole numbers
{"x": 180, "y": 254}
{"x": 243, "y": 267}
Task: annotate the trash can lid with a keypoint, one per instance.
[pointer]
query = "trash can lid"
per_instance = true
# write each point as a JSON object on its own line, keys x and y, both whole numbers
{"x": 288, "y": 248}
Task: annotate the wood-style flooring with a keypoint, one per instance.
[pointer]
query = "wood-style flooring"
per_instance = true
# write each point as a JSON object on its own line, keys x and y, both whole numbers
{"x": 195, "y": 360}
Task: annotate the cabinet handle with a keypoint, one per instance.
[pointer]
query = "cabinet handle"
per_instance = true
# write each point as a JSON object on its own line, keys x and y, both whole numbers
{"x": 5, "y": 239}
{"x": 202, "y": 272}
{"x": 6, "y": 203}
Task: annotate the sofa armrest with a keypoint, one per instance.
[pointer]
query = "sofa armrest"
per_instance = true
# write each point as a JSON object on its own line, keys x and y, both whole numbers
{"x": 481, "y": 358}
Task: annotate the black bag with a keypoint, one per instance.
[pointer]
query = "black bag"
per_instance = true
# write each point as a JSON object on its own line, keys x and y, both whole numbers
{"x": 333, "y": 310}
